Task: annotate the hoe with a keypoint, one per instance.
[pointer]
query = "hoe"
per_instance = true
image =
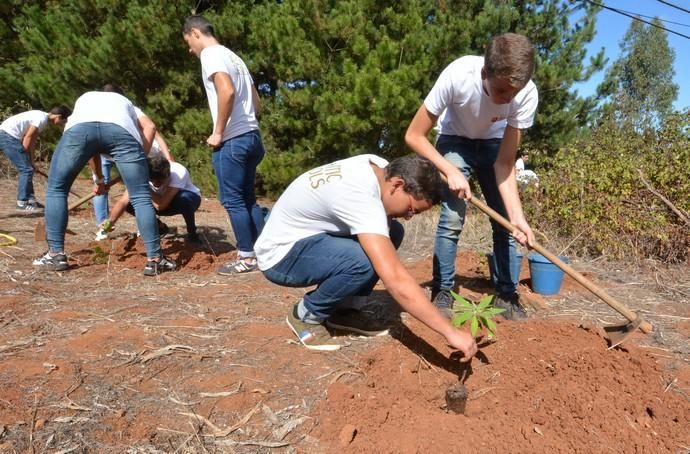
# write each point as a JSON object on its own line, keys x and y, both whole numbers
{"x": 616, "y": 333}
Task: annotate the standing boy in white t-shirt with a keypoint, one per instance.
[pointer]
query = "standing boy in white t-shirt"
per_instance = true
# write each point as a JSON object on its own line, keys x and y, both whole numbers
{"x": 481, "y": 104}
{"x": 18, "y": 136}
{"x": 334, "y": 227}
{"x": 106, "y": 123}
{"x": 235, "y": 140}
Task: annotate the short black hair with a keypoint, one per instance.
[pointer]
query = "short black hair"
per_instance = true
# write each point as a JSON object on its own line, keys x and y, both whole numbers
{"x": 159, "y": 167}
{"x": 422, "y": 179}
{"x": 113, "y": 88}
{"x": 63, "y": 111}
{"x": 200, "y": 23}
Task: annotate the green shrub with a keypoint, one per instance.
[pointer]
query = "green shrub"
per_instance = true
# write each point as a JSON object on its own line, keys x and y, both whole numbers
{"x": 595, "y": 190}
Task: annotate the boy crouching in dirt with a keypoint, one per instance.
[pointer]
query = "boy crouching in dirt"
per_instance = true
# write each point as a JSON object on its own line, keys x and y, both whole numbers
{"x": 333, "y": 227}
{"x": 172, "y": 193}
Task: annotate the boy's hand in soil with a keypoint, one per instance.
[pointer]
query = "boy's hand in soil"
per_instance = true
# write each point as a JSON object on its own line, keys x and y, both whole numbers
{"x": 464, "y": 342}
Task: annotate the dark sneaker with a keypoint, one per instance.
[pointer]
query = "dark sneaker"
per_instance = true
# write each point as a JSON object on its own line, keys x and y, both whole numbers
{"x": 512, "y": 306}
{"x": 238, "y": 266}
{"x": 359, "y": 322}
{"x": 443, "y": 300}
{"x": 312, "y": 336}
{"x": 49, "y": 262}
{"x": 154, "y": 268}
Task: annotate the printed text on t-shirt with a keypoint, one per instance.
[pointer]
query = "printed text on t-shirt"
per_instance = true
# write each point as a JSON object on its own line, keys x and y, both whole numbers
{"x": 324, "y": 174}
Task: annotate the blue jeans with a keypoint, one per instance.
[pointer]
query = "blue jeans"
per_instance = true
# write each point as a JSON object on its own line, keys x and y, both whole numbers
{"x": 478, "y": 157}
{"x": 235, "y": 165}
{"x": 20, "y": 158}
{"x": 100, "y": 202}
{"x": 185, "y": 203}
{"x": 337, "y": 265}
{"x": 79, "y": 144}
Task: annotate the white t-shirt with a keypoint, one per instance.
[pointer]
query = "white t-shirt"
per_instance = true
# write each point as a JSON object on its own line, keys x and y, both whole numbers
{"x": 179, "y": 178}
{"x": 219, "y": 58}
{"x": 464, "y": 109}
{"x": 342, "y": 198}
{"x": 155, "y": 149}
{"x": 519, "y": 164}
{"x": 105, "y": 107}
{"x": 18, "y": 125}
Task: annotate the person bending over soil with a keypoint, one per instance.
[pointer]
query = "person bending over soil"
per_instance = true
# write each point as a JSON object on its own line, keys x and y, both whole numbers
{"x": 102, "y": 123}
{"x": 18, "y": 136}
{"x": 334, "y": 227}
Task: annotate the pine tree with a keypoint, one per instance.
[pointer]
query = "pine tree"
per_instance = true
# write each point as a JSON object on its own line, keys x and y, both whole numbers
{"x": 337, "y": 77}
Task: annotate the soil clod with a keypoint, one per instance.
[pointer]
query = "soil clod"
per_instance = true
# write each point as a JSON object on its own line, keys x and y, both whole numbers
{"x": 456, "y": 398}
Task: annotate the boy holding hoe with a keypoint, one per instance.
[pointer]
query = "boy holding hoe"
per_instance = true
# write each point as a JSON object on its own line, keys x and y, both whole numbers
{"x": 18, "y": 135}
{"x": 482, "y": 105}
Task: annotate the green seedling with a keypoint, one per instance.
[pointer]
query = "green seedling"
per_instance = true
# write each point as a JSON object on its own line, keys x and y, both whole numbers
{"x": 100, "y": 256}
{"x": 479, "y": 315}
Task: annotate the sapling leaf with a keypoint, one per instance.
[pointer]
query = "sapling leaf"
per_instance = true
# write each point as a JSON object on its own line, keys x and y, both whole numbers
{"x": 484, "y": 303}
{"x": 495, "y": 310}
{"x": 490, "y": 326}
{"x": 463, "y": 302}
{"x": 486, "y": 298}
{"x": 461, "y": 318}
{"x": 474, "y": 326}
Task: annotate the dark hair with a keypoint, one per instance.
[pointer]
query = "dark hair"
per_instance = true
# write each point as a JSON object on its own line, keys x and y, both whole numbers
{"x": 159, "y": 167}
{"x": 422, "y": 179}
{"x": 112, "y": 88}
{"x": 63, "y": 111}
{"x": 510, "y": 56}
{"x": 200, "y": 23}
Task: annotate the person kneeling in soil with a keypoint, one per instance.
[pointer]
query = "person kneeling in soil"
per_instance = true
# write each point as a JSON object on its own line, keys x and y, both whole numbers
{"x": 102, "y": 122}
{"x": 172, "y": 193}
{"x": 333, "y": 227}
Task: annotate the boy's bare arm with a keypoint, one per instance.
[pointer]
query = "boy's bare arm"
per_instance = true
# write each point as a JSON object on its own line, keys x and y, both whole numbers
{"x": 148, "y": 132}
{"x": 29, "y": 142}
{"x": 507, "y": 185}
{"x": 161, "y": 202}
{"x": 417, "y": 139}
{"x": 405, "y": 290}
{"x": 225, "y": 92}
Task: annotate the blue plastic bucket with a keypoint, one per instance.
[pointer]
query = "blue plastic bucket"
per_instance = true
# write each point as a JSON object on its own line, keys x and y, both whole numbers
{"x": 546, "y": 277}
{"x": 514, "y": 270}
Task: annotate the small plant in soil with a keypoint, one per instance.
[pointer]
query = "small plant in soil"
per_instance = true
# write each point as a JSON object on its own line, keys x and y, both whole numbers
{"x": 479, "y": 315}
{"x": 100, "y": 256}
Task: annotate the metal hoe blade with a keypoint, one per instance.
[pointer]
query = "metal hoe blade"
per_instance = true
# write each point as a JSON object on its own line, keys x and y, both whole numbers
{"x": 617, "y": 334}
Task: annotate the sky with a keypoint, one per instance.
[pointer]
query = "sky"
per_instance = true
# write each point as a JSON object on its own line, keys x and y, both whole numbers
{"x": 611, "y": 28}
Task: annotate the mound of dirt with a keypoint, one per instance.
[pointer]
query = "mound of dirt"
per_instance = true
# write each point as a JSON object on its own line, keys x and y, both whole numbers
{"x": 543, "y": 386}
{"x": 126, "y": 251}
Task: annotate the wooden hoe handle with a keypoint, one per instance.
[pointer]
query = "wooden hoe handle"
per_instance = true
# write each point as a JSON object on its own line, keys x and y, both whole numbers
{"x": 646, "y": 327}
{"x": 88, "y": 197}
